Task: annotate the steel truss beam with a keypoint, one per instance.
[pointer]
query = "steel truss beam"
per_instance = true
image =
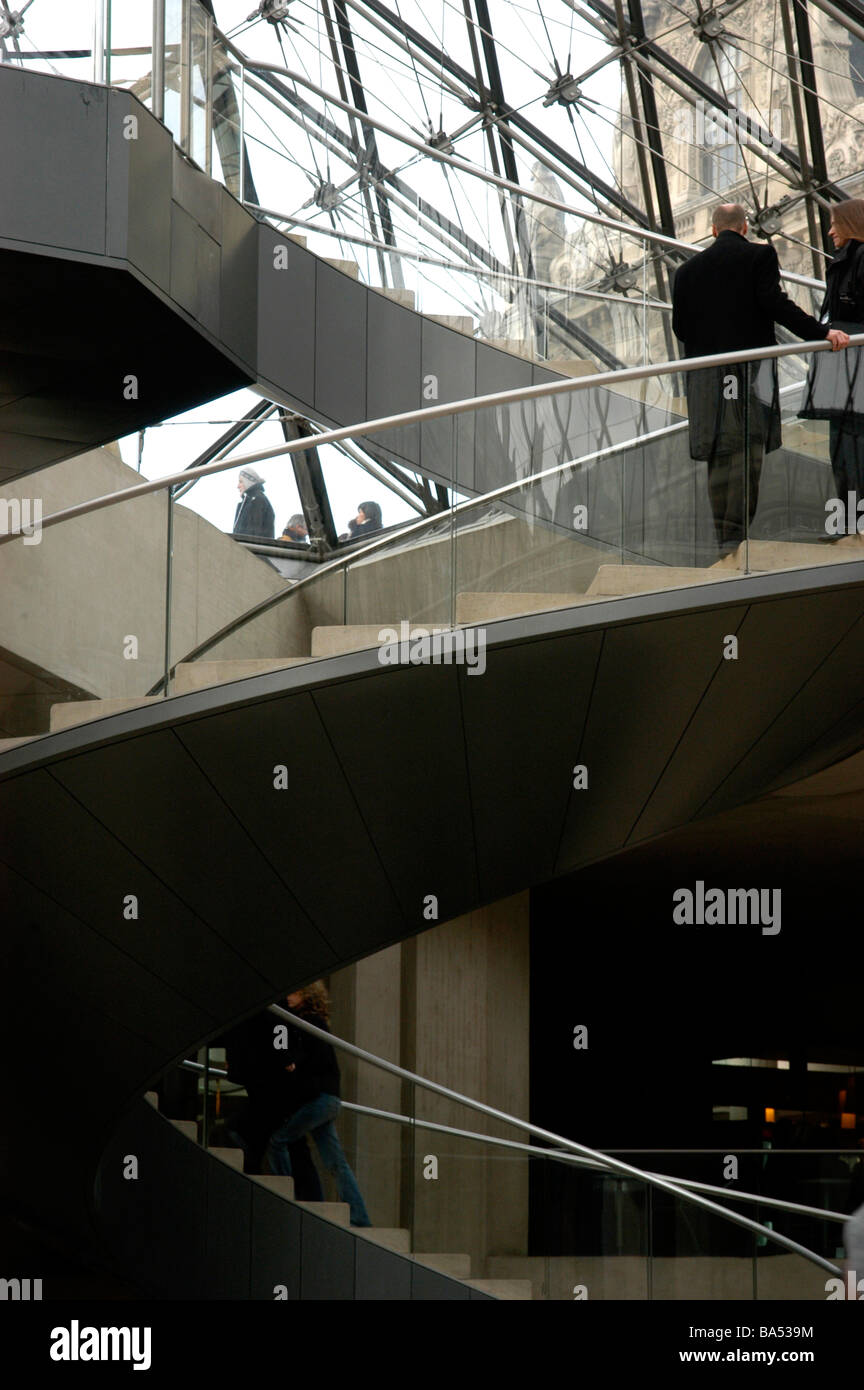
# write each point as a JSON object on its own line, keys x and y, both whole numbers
{"x": 370, "y": 154}
{"x": 652, "y": 125}
{"x": 427, "y": 210}
{"x": 811, "y": 107}
{"x": 309, "y": 477}
{"x": 443, "y": 59}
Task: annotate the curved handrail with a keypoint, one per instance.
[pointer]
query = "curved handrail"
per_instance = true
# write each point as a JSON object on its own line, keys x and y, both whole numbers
{"x": 605, "y": 1161}
{"x": 413, "y": 528}
{"x": 444, "y": 410}
{"x": 558, "y": 1155}
{"x": 343, "y": 561}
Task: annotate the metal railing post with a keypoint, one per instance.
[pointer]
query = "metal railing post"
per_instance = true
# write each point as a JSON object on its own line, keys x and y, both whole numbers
{"x": 185, "y": 74}
{"x": 99, "y": 28}
{"x": 157, "y": 60}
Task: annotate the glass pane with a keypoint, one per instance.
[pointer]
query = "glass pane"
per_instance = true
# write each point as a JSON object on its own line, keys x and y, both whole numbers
{"x": 200, "y": 89}
{"x": 697, "y": 1255}
{"x": 176, "y": 68}
{"x": 225, "y": 82}
{"x": 130, "y": 53}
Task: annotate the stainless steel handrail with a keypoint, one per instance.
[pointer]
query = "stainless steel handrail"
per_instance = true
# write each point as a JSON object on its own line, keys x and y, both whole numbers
{"x": 604, "y": 1160}
{"x": 558, "y": 1155}
{"x": 343, "y": 561}
{"x": 393, "y": 538}
{"x": 445, "y": 410}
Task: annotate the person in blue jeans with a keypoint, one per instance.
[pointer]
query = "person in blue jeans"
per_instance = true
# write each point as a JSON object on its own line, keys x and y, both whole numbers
{"x": 315, "y": 1084}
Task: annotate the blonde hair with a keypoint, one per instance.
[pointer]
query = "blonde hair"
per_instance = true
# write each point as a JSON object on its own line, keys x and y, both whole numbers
{"x": 848, "y": 218}
{"x": 316, "y": 999}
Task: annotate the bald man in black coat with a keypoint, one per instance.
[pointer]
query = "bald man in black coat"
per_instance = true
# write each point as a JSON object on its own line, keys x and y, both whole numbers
{"x": 728, "y": 299}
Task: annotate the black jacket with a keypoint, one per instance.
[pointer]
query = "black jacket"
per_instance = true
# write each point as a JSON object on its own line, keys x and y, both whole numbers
{"x": 254, "y": 1062}
{"x": 844, "y": 278}
{"x": 254, "y": 515}
{"x": 316, "y": 1070}
{"x": 728, "y": 298}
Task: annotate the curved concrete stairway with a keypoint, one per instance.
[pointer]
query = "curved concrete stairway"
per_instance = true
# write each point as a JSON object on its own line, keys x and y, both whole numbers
{"x": 181, "y": 280}
{"x": 398, "y": 1239}
{"x": 610, "y": 581}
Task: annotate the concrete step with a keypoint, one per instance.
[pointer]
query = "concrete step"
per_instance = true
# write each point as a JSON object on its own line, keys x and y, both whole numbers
{"x": 187, "y": 1127}
{"x": 339, "y": 1212}
{"x": 72, "y": 712}
{"x": 391, "y": 1237}
{"x": 457, "y": 1266}
{"x": 356, "y": 637}
{"x": 520, "y": 1289}
{"x": 274, "y": 1182}
{"x": 486, "y": 607}
{"x": 515, "y": 346}
{"x": 461, "y": 323}
{"x": 197, "y": 675}
{"x": 614, "y": 581}
{"x": 785, "y": 555}
{"x": 403, "y": 297}
{"x": 349, "y": 268}
{"x": 152, "y": 1098}
{"x": 6, "y": 743}
{"x": 334, "y": 640}
{"x": 570, "y": 366}
{"x": 233, "y": 1157}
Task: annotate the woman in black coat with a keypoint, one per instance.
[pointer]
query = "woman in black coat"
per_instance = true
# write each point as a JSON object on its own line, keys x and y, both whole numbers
{"x": 835, "y": 383}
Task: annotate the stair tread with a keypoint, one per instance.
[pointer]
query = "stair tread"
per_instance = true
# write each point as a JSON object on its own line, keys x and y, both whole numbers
{"x": 197, "y": 675}
{"x": 187, "y": 1127}
{"x": 233, "y": 1157}
{"x": 457, "y": 1265}
{"x": 504, "y": 1288}
{"x": 396, "y": 1238}
{"x": 350, "y": 268}
{"x": 459, "y": 323}
{"x": 481, "y": 605}
{"x": 339, "y": 1212}
{"x": 275, "y": 1182}
{"x": 619, "y": 580}
{"x": 72, "y": 712}
{"x": 404, "y": 297}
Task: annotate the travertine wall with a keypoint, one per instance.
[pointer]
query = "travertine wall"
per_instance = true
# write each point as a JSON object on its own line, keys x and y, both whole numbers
{"x": 452, "y": 1005}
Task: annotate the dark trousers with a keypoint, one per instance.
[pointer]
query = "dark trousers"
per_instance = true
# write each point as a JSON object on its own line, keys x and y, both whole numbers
{"x": 847, "y": 459}
{"x": 253, "y": 1131}
{"x": 726, "y": 490}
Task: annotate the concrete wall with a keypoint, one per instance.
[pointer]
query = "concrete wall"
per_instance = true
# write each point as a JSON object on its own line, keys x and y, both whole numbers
{"x": 70, "y": 601}
{"x": 452, "y": 1005}
{"x": 720, "y": 1278}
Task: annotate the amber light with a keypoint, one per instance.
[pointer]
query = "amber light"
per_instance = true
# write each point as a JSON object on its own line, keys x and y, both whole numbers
{"x": 848, "y": 1121}
{"x": 769, "y": 1114}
